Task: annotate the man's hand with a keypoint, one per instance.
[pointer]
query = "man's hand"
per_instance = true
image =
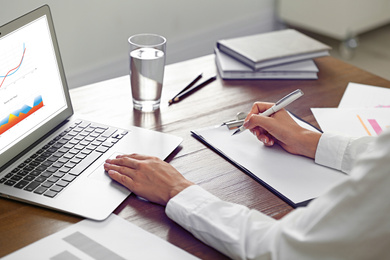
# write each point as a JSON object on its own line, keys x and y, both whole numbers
{"x": 146, "y": 176}
{"x": 282, "y": 129}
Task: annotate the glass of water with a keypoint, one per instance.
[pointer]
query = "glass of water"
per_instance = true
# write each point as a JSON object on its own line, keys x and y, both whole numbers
{"x": 147, "y": 63}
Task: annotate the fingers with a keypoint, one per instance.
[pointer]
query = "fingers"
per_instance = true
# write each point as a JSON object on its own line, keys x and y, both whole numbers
{"x": 263, "y": 136}
{"x": 123, "y": 168}
{"x": 258, "y": 107}
{"x": 122, "y": 179}
{"x": 267, "y": 129}
{"x": 130, "y": 165}
{"x": 129, "y": 161}
{"x": 254, "y": 118}
{"x": 135, "y": 156}
{"x": 121, "y": 165}
{"x": 266, "y": 139}
{"x": 261, "y": 123}
{"x": 147, "y": 176}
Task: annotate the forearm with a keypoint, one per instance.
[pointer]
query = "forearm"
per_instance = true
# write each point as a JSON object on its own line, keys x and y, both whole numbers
{"x": 234, "y": 230}
{"x": 321, "y": 230}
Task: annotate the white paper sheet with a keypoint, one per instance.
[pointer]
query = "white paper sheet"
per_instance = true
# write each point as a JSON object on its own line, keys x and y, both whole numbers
{"x": 364, "y": 110}
{"x": 295, "y": 177}
{"x": 114, "y": 238}
{"x": 353, "y": 121}
{"x": 365, "y": 96}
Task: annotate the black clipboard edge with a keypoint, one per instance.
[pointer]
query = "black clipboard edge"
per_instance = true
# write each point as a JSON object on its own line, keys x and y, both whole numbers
{"x": 300, "y": 119}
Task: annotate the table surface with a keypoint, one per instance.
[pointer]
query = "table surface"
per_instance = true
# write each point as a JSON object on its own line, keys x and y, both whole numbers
{"x": 109, "y": 102}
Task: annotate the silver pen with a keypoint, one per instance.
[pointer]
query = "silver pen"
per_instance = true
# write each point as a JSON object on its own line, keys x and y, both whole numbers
{"x": 278, "y": 105}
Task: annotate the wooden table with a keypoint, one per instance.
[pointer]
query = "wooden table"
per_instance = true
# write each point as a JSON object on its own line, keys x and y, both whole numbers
{"x": 110, "y": 102}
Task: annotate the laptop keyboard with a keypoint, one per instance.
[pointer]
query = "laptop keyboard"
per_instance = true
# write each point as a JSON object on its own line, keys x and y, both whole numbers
{"x": 59, "y": 162}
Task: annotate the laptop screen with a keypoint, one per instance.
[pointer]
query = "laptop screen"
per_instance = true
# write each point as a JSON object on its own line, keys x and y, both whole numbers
{"x": 32, "y": 91}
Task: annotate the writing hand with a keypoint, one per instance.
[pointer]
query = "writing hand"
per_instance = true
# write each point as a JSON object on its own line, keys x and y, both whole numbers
{"x": 282, "y": 129}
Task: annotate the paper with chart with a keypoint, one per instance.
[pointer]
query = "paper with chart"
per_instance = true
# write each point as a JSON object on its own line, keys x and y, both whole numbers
{"x": 296, "y": 178}
{"x": 355, "y": 122}
{"x": 363, "y": 111}
{"x": 114, "y": 239}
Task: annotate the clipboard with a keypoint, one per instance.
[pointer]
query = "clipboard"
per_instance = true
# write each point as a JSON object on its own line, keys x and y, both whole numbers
{"x": 295, "y": 179}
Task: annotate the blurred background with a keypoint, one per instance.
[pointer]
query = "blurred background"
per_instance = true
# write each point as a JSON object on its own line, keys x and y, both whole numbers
{"x": 93, "y": 34}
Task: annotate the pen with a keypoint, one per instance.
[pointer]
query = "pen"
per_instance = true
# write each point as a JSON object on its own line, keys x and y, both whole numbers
{"x": 278, "y": 105}
{"x": 193, "y": 89}
{"x": 184, "y": 89}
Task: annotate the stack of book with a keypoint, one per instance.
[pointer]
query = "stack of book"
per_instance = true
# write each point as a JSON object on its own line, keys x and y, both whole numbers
{"x": 284, "y": 54}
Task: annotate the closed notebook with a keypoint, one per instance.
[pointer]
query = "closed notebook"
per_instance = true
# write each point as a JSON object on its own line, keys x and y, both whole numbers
{"x": 269, "y": 49}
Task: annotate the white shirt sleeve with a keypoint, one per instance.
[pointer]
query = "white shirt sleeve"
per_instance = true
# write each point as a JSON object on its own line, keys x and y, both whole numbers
{"x": 340, "y": 152}
{"x": 348, "y": 222}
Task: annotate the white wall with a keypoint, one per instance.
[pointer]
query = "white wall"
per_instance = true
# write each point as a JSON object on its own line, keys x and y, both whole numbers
{"x": 93, "y": 34}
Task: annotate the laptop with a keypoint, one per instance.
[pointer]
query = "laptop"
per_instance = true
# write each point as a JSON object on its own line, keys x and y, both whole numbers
{"x": 47, "y": 157}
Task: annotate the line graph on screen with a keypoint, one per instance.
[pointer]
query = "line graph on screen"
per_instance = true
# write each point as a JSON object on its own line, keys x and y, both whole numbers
{"x": 12, "y": 71}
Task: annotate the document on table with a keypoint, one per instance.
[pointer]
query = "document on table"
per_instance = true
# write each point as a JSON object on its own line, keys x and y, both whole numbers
{"x": 355, "y": 122}
{"x": 296, "y": 179}
{"x": 114, "y": 239}
{"x": 365, "y": 96}
{"x": 363, "y": 111}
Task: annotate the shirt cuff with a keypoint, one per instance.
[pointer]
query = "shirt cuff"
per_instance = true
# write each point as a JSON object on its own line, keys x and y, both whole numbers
{"x": 180, "y": 207}
{"x": 331, "y": 149}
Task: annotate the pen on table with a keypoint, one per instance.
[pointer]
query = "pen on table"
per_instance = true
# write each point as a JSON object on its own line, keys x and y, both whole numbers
{"x": 193, "y": 89}
{"x": 278, "y": 105}
{"x": 186, "y": 88}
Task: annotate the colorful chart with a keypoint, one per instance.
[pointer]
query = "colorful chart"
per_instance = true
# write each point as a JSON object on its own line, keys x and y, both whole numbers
{"x": 20, "y": 114}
